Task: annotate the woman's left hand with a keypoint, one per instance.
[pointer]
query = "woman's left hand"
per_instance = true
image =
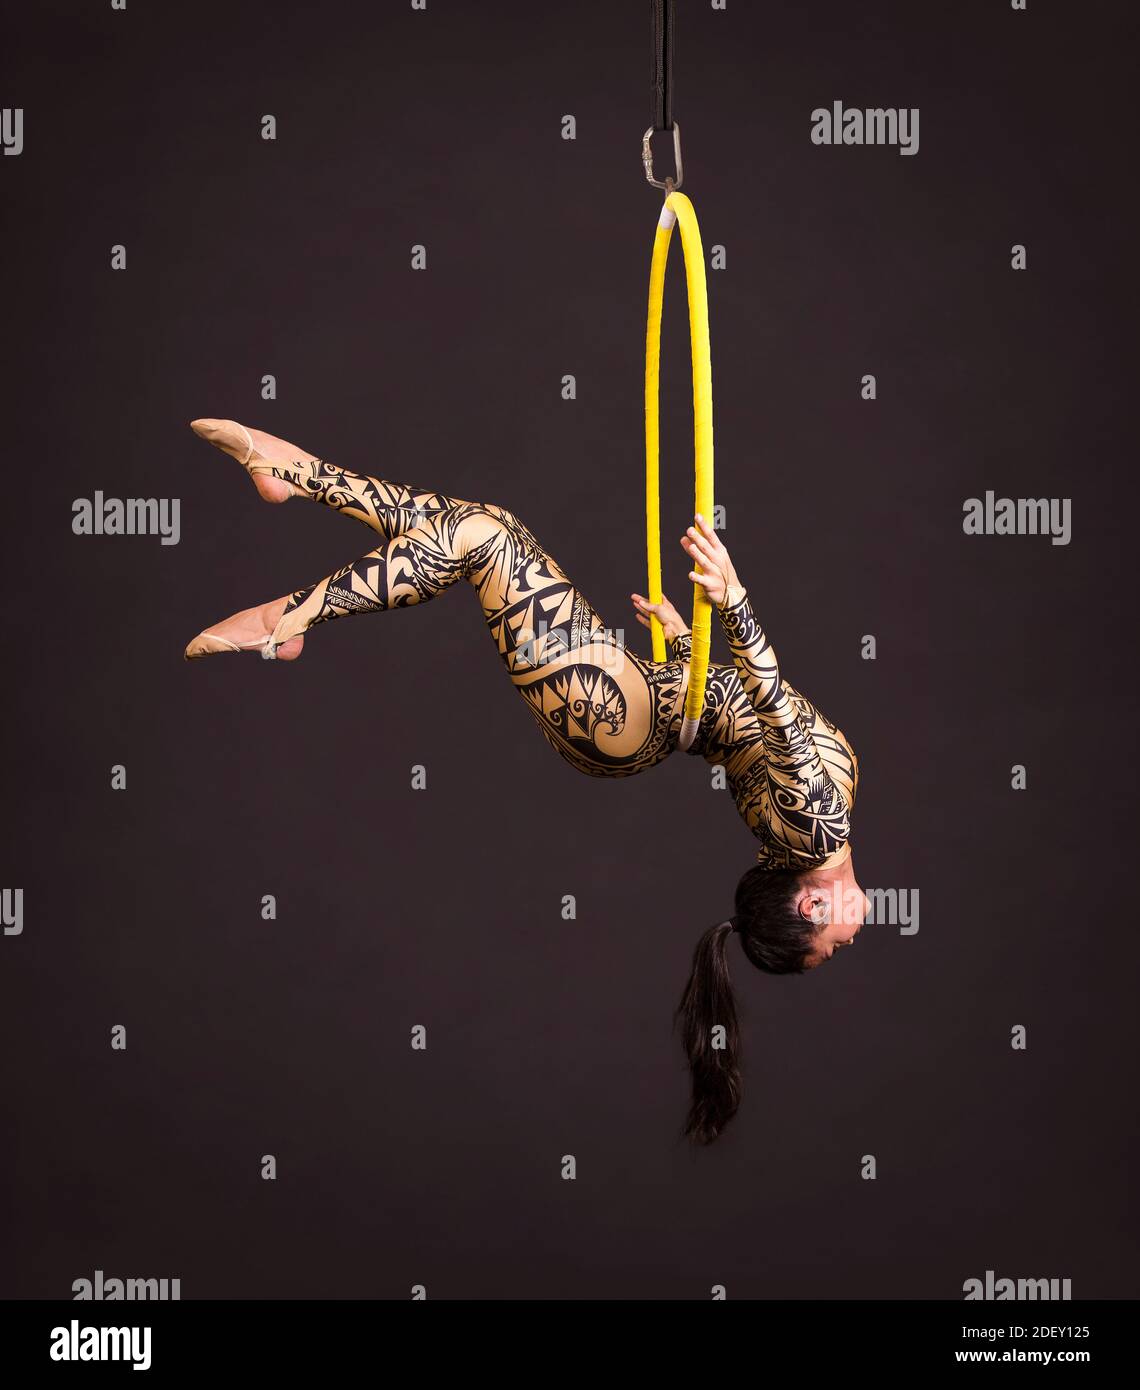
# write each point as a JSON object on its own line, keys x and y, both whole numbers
{"x": 671, "y": 621}
{"x": 702, "y": 544}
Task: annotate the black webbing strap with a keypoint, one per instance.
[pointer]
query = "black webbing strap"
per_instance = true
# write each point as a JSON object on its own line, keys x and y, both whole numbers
{"x": 663, "y": 31}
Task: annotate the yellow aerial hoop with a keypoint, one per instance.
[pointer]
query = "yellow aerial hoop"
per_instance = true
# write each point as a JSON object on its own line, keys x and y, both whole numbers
{"x": 678, "y": 208}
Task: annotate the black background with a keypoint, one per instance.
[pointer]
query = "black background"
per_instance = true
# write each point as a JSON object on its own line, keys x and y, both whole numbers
{"x": 442, "y": 907}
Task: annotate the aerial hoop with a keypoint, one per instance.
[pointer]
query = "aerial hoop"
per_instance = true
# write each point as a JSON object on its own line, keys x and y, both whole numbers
{"x": 678, "y": 208}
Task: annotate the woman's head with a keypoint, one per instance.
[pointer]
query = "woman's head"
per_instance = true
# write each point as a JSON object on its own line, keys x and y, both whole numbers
{"x": 791, "y": 921}
{"x": 788, "y": 921}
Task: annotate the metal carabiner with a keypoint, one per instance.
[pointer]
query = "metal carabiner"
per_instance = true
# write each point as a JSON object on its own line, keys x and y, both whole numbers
{"x": 647, "y": 159}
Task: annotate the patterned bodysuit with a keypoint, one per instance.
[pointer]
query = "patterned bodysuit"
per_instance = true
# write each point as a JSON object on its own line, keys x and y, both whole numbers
{"x": 604, "y": 709}
{"x": 792, "y": 772}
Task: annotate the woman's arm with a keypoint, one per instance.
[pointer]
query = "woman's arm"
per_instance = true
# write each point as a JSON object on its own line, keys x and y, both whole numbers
{"x": 806, "y": 812}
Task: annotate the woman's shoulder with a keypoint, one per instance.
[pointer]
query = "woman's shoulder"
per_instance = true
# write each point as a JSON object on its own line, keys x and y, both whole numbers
{"x": 775, "y": 856}
{"x": 832, "y": 744}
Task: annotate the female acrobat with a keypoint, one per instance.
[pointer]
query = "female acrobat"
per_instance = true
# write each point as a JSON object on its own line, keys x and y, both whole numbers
{"x": 607, "y": 711}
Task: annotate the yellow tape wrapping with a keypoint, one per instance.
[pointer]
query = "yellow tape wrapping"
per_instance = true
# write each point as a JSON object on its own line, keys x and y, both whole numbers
{"x": 682, "y": 209}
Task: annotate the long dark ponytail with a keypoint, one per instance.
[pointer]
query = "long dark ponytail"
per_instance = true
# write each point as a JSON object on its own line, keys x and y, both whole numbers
{"x": 776, "y": 939}
{"x": 708, "y": 1004}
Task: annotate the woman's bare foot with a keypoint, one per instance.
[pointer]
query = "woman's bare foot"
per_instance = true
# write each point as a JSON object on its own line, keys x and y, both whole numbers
{"x": 247, "y": 630}
{"x": 251, "y": 447}
{"x": 276, "y": 450}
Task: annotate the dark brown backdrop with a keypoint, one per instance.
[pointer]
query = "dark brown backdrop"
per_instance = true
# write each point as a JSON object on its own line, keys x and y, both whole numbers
{"x": 442, "y": 908}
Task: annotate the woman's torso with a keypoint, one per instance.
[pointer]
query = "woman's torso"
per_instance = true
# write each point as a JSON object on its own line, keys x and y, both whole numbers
{"x": 731, "y": 736}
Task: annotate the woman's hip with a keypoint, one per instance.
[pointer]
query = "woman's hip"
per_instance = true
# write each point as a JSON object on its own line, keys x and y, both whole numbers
{"x": 607, "y": 711}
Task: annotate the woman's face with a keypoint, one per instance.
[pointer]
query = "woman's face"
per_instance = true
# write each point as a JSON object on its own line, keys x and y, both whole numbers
{"x": 837, "y": 904}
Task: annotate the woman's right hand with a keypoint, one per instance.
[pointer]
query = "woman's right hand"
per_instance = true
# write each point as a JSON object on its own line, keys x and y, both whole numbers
{"x": 718, "y": 576}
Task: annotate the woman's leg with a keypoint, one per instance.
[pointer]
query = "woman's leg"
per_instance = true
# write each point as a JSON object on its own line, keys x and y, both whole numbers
{"x": 605, "y": 710}
{"x": 388, "y": 508}
{"x": 281, "y": 470}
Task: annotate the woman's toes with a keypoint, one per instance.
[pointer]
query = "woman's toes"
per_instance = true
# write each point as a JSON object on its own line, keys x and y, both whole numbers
{"x": 290, "y": 650}
{"x": 246, "y": 446}
{"x": 205, "y": 428}
{"x": 226, "y": 435}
